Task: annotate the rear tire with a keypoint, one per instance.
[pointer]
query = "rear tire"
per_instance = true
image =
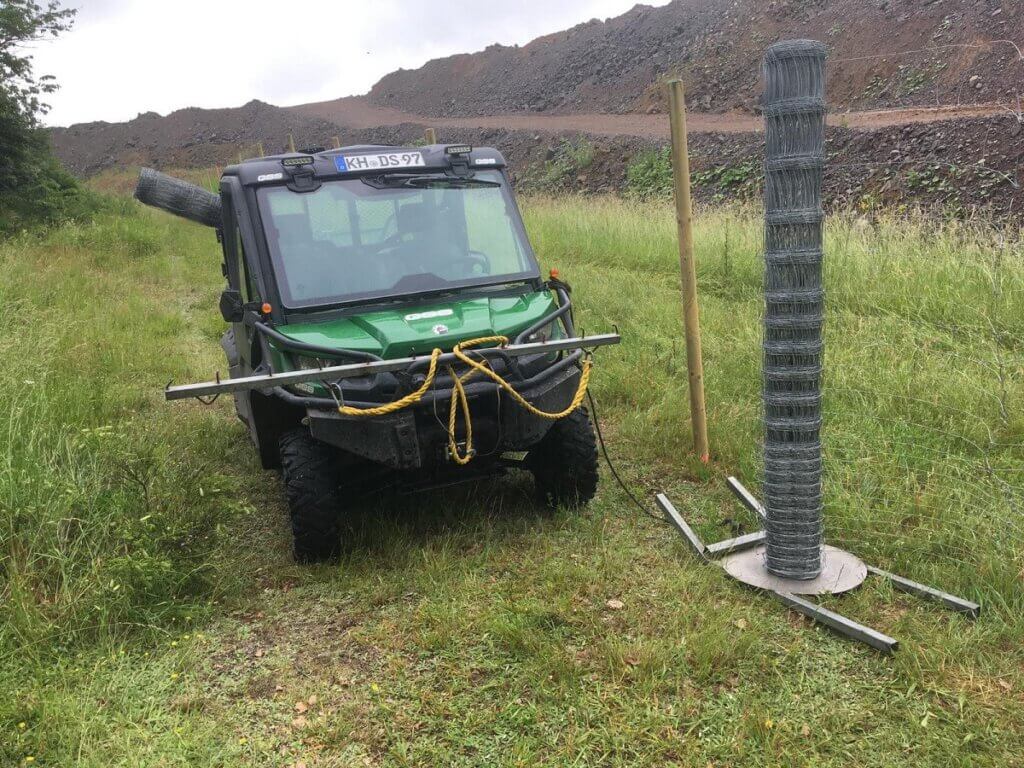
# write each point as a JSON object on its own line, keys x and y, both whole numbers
{"x": 309, "y": 469}
{"x": 564, "y": 462}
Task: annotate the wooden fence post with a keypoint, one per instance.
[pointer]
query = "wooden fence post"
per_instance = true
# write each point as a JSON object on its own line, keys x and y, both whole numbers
{"x": 291, "y": 143}
{"x": 691, "y": 313}
{"x": 430, "y": 136}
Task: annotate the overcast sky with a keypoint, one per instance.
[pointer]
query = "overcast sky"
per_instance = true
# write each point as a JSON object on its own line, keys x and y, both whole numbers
{"x": 129, "y": 56}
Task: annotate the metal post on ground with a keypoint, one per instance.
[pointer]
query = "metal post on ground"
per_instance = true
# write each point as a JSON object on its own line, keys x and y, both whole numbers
{"x": 430, "y": 136}
{"x": 691, "y": 312}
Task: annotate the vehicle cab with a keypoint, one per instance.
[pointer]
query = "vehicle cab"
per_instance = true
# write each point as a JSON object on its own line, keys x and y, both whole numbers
{"x": 371, "y": 252}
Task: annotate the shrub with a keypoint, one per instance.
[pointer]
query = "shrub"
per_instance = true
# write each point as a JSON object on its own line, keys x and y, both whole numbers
{"x": 650, "y": 174}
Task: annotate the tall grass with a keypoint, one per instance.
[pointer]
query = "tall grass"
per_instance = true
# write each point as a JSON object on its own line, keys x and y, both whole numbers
{"x": 924, "y": 427}
{"x": 124, "y": 520}
{"x": 112, "y": 501}
{"x": 113, "y": 508}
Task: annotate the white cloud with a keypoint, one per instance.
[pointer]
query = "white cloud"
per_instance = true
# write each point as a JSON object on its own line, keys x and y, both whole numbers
{"x": 131, "y": 56}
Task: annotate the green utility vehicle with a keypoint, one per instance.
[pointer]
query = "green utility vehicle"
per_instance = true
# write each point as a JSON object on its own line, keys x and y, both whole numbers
{"x": 353, "y": 277}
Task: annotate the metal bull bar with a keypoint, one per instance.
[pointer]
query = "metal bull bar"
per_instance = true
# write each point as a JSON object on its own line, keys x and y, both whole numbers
{"x": 352, "y": 370}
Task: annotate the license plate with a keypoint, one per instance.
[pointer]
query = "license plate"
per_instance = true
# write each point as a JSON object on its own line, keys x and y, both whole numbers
{"x": 384, "y": 161}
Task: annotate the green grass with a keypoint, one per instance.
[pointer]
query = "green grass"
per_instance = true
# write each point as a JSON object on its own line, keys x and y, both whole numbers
{"x": 150, "y": 616}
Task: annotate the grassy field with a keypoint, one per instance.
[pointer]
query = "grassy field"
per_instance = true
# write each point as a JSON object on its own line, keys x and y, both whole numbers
{"x": 150, "y": 614}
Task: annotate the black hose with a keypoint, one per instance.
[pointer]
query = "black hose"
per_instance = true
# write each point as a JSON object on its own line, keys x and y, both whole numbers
{"x": 615, "y": 473}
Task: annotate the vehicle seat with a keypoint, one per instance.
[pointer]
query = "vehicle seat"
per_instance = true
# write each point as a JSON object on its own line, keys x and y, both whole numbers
{"x": 425, "y": 240}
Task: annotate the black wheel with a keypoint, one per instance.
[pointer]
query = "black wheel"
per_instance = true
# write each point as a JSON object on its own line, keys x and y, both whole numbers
{"x": 311, "y": 485}
{"x": 564, "y": 463}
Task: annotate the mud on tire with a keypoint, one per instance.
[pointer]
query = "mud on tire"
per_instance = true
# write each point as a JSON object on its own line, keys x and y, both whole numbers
{"x": 564, "y": 463}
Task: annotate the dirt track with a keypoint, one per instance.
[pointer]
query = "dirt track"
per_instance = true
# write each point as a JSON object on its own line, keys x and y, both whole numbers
{"x": 357, "y": 112}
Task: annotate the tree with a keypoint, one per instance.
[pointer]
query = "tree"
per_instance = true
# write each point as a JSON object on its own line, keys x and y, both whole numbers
{"x": 32, "y": 184}
{"x": 22, "y": 22}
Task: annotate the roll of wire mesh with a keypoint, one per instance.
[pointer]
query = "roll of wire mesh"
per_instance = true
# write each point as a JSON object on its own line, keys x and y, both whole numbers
{"x": 794, "y": 110}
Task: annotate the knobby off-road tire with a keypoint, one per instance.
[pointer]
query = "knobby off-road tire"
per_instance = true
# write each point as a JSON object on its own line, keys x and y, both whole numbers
{"x": 309, "y": 469}
{"x": 564, "y": 463}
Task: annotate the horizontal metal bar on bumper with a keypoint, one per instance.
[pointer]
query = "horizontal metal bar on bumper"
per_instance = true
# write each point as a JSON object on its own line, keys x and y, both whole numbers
{"x": 333, "y": 373}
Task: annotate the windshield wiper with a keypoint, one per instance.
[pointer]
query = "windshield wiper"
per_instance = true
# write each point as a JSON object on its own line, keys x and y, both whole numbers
{"x": 425, "y": 181}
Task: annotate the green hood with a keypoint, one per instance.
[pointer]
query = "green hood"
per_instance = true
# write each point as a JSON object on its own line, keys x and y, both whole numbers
{"x": 418, "y": 329}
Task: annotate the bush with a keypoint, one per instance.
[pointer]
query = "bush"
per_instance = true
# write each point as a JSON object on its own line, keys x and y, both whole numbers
{"x": 38, "y": 191}
{"x": 650, "y": 174}
{"x": 34, "y": 189}
{"x": 570, "y": 158}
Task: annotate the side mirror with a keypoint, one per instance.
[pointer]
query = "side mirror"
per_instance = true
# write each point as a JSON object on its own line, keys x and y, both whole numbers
{"x": 232, "y": 308}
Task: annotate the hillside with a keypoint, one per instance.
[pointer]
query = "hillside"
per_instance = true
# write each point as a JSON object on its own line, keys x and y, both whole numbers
{"x": 715, "y": 45}
{"x": 186, "y": 138}
{"x": 597, "y": 86}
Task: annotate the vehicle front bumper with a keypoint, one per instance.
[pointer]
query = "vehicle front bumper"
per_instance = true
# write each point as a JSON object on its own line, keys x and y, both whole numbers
{"x": 417, "y": 436}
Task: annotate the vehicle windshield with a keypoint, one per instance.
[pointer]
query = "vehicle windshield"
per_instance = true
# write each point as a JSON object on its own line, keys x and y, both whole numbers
{"x": 355, "y": 239}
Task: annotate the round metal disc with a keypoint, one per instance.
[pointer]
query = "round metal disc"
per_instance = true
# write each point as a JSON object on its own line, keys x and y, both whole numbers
{"x": 841, "y": 572}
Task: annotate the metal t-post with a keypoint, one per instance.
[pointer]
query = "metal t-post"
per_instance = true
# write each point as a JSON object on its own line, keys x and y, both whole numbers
{"x": 794, "y": 111}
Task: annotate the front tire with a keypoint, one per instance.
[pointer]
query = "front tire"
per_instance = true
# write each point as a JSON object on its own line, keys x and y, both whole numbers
{"x": 309, "y": 469}
{"x": 564, "y": 462}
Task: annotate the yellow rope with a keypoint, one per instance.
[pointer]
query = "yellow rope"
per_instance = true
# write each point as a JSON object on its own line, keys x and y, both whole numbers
{"x": 405, "y": 402}
{"x": 459, "y": 399}
{"x": 577, "y": 400}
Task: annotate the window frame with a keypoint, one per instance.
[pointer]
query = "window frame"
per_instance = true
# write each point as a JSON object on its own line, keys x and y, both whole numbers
{"x": 320, "y": 304}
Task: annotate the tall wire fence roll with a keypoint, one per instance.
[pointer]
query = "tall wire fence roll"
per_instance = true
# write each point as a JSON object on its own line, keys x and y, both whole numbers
{"x": 794, "y": 111}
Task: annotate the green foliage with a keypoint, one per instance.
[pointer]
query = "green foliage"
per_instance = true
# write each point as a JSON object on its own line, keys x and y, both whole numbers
{"x": 33, "y": 188}
{"x": 741, "y": 181}
{"x": 650, "y": 174}
{"x": 568, "y": 160}
{"x": 39, "y": 191}
{"x": 110, "y": 517}
{"x": 906, "y": 81}
{"x": 150, "y": 614}
{"x": 23, "y": 22}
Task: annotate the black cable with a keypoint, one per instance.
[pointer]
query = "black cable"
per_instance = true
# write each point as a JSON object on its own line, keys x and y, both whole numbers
{"x": 604, "y": 451}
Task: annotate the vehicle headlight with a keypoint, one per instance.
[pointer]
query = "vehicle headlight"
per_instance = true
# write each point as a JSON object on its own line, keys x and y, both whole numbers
{"x": 551, "y": 331}
{"x": 310, "y": 363}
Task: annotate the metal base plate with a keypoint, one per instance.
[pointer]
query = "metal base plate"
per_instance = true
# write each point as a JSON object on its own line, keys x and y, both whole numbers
{"x": 842, "y": 572}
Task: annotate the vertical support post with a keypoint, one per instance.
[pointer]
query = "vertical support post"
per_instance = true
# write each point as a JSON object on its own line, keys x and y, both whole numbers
{"x": 336, "y": 140}
{"x": 291, "y": 143}
{"x": 259, "y": 148}
{"x": 691, "y": 312}
{"x": 794, "y": 112}
{"x": 430, "y": 136}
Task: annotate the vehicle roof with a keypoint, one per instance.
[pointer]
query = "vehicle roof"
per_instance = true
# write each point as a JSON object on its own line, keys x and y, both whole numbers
{"x": 264, "y": 170}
